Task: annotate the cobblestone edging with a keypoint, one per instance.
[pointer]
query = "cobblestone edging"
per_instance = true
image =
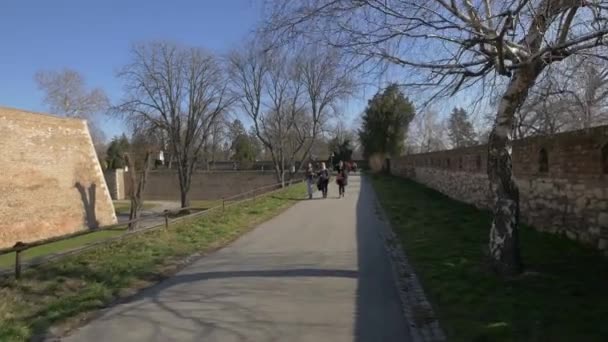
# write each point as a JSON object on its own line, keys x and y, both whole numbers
{"x": 424, "y": 326}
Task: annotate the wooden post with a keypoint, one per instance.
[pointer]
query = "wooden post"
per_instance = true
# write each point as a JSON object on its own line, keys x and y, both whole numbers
{"x": 166, "y": 219}
{"x": 20, "y": 246}
{"x": 223, "y": 204}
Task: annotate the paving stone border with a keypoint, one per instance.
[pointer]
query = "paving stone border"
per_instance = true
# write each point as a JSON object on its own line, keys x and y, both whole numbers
{"x": 424, "y": 325}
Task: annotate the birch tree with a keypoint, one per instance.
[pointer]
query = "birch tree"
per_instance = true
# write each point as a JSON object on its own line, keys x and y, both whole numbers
{"x": 451, "y": 45}
{"x": 180, "y": 91}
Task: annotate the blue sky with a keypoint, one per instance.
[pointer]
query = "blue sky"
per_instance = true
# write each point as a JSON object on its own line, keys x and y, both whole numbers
{"x": 93, "y": 37}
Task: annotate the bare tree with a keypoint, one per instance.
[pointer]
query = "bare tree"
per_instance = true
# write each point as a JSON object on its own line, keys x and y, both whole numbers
{"x": 215, "y": 145}
{"x": 180, "y": 91}
{"x": 138, "y": 185}
{"x": 427, "y": 133}
{"x": 282, "y": 127}
{"x": 455, "y": 45}
{"x": 590, "y": 95}
{"x": 326, "y": 82}
{"x": 290, "y": 96}
{"x": 66, "y": 93}
{"x": 579, "y": 90}
{"x": 567, "y": 96}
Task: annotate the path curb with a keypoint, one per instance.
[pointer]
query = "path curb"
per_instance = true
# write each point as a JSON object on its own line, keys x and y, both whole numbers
{"x": 424, "y": 325}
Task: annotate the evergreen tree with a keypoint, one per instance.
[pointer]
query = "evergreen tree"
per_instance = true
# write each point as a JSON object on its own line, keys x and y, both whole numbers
{"x": 244, "y": 151}
{"x": 460, "y": 129}
{"x": 235, "y": 130}
{"x": 385, "y": 123}
{"x": 342, "y": 149}
{"x": 244, "y": 146}
{"x": 116, "y": 151}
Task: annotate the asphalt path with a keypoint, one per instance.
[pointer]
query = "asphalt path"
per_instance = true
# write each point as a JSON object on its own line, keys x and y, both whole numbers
{"x": 317, "y": 272}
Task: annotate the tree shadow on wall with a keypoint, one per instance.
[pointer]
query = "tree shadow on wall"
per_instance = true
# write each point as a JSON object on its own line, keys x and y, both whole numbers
{"x": 88, "y": 202}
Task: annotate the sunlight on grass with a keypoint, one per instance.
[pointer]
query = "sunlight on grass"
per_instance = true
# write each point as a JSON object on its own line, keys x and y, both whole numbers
{"x": 8, "y": 260}
{"x": 60, "y": 290}
{"x": 561, "y": 297}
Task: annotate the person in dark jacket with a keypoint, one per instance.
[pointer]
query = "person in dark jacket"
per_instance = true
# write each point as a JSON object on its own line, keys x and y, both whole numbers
{"x": 342, "y": 178}
{"x": 323, "y": 182}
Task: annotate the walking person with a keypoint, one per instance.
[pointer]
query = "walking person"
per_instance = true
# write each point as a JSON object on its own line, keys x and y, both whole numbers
{"x": 342, "y": 178}
{"x": 310, "y": 176}
{"x": 323, "y": 180}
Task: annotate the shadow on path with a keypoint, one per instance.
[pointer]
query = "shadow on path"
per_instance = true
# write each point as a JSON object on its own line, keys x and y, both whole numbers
{"x": 169, "y": 309}
{"x": 203, "y": 303}
{"x": 379, "y": 316}
{"x": 290, "y": 273}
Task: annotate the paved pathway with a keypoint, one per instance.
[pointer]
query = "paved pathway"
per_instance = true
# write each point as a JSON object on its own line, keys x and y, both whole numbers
{"x": 317, "y": 272}
{"x": 150, "y": 216}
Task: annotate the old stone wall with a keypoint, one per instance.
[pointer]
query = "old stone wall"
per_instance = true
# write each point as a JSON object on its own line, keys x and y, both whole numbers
{"x": 115, "y": 182}
{"x": 164, "y": 184}
{"x": 51, "y": 182}
{"x": 563, "y": 180}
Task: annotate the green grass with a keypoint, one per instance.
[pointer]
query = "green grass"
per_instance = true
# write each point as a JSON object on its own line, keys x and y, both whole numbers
{"x": 561, "y": 297}
{"x": 8, "y": 260}
{"x": 124, "y": 206}
{"x": 59, "y": 292}
{"x": 206, "y": 204}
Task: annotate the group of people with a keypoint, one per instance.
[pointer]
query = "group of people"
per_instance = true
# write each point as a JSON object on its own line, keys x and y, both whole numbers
{"x": 323, "y": 176}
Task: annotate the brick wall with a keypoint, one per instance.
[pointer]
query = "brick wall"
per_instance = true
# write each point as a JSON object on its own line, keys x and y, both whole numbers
{"x": 51, "y": 181}
{"x": 164, "y": 184}
{"x": 563, "y": 180}
{"x": 115, "y": 182}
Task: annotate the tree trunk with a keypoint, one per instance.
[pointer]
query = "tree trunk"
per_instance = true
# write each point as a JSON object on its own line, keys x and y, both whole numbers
{"x": 280, "y": 175}
{"x": 504, "y": 237}
{"x": 185, "y": 200}
{"x": 136, "y": 193}
{"x": 184, "y": 189}
{"x": 135, "y": 202}
{"x": 184, "y": 183}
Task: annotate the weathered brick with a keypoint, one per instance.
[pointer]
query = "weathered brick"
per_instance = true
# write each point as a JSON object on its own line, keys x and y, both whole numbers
{"x": 51, "y": 180}
{"x": 571, "y": 196}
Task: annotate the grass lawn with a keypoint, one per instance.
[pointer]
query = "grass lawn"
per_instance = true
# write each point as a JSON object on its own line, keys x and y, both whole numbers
{"x": 206, "y": 204}
{"x": 124, "y": 206}
{"x": 121, "y": 206}
{"x": 561, "y": 297}
{"x": 8, "y": 260}
{"x": 59, "y": 291}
